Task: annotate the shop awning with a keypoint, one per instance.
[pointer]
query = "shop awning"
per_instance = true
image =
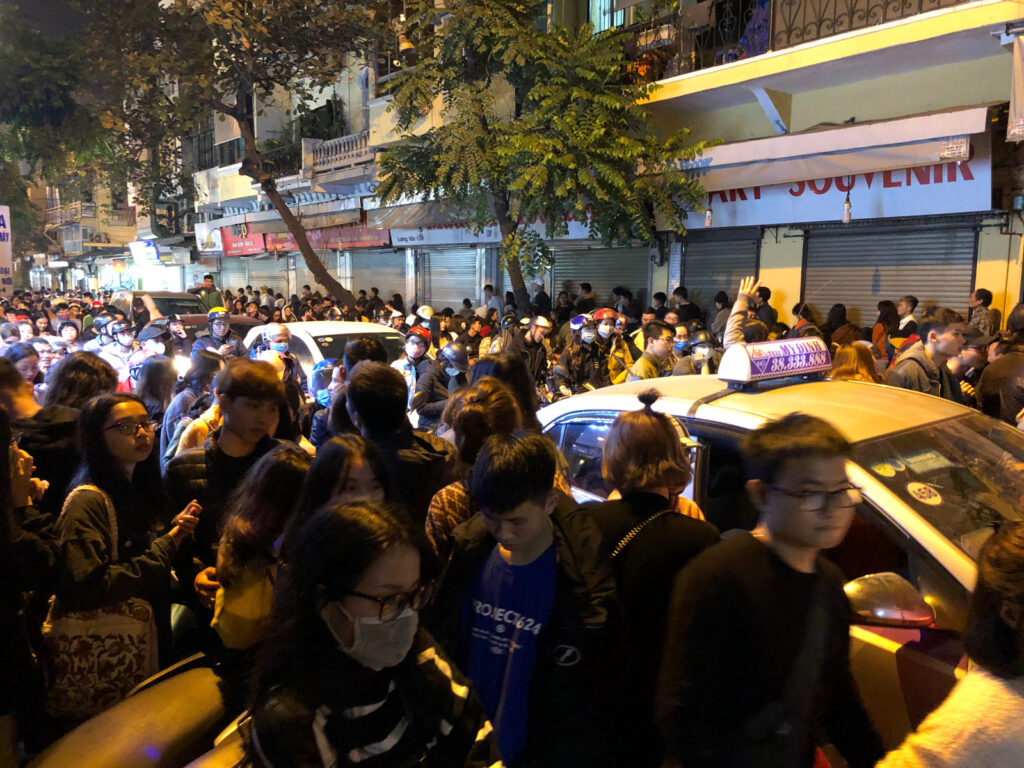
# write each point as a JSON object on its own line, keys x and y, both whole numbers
{"x": 432, "y": 213}
{"x": 844, "y": 151}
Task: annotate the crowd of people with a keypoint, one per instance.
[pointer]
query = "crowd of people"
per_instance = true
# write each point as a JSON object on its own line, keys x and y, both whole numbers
{"x": 374, "y": 593}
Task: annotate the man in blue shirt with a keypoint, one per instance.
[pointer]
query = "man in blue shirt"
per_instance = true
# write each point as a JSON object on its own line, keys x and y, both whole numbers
{"x": 525, "y": 609}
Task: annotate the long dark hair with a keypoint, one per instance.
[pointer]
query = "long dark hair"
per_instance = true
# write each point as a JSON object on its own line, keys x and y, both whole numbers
{"x": 330, "y": 552}
{"x": 888, "y": 316}
{"x": 513, "y": 373}
{"x": 156, "y": 383}
{"x": 77, "y": 378}
{"x": 259, "y": 510}
{"x": 990, "y": 640}
{"x": 330, "y": 469}
{"x": 200, "y": 376}
{"x": 101, "y": 469}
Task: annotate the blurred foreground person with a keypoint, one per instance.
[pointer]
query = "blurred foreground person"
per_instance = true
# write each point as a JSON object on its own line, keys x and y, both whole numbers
{"x": 981, "y": 723}
{"x": 347, "y": 676}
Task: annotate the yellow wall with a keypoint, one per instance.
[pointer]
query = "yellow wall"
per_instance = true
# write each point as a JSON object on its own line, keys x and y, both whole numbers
{"x": 910, "y": 93}
{"x": 999, "y": 265}
{"x": 782, "y": 255}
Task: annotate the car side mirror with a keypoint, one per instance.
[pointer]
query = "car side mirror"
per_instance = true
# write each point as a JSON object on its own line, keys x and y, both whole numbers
{"x": 888, "y": 600}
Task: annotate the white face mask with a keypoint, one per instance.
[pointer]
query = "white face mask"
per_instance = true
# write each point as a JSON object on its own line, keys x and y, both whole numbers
{"x": 605, "y": 330}
{"x": 414, "y": 350}
{"x": 453, "y": 372}
{"x": 587, "y": 336}
{"x": 376, "y": 644}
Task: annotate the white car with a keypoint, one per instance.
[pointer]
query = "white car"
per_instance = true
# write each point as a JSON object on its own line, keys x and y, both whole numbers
{"x": 319, "y": 340}
{"x": 936, "y": 478}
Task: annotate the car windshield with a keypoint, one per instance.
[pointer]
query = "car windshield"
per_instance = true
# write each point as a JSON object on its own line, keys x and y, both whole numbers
{"x": 963, "y": 476}
{"x": 174, "y": 305}
{"x": 334, "y": 346}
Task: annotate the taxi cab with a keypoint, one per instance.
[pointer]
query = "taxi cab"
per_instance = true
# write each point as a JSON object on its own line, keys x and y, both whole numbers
{"x": 936, "y": 478}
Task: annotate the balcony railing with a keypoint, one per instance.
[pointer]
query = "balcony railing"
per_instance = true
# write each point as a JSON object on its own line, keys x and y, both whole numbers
{"x": 284, "y": 160}
{"x": 70, "y": 213}
{"x": 343, "y": 152}
{"x": 800, "y": 21}
{"x": 716, "y": 32}
{"x": 121, "y": 216}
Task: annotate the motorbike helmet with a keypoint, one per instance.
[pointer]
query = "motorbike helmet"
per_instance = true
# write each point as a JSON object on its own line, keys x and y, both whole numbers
{"x": 218, "y": 313}
{"x": 120, "y": 326}
{"x": 577, "y": 322}
{"x": 693, "y": 326}
{"x": 605, "y": 314}
{"x": 424, "y": 312}
{"x": 541, "y": 321}
{"x": 421, "y": 333}
{"x": 698, "y": 339}
{"x": 509, "y": 321}
{"x": 456, "y": 355}
{"x": 101, "y": 321}
{"x": 153, "y": 333}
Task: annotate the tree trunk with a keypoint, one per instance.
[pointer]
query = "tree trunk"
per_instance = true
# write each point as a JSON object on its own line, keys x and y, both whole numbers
{"x": 252, "y": 166}
{"x": 515, "y": 270}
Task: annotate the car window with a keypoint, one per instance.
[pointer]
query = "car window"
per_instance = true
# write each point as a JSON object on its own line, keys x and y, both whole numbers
{"x": 297, "y": 347}
{"x": 963, "y": 475}
{"x": 725, "y": 501}
{"x": 172, "y": 305}
{"x": 334, "y": 345}
{"x": 581, "y": 441}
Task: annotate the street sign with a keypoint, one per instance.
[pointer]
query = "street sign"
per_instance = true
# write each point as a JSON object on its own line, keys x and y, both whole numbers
{"x": 6, "y": 255}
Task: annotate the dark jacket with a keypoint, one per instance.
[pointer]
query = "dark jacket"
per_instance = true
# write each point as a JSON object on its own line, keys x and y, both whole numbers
{"x": 433, "y": 388}
{"x": 767, "y": 314}
{"x": 536, "y": 360}
{"x": 176, "y": 411}
{"x": 542, "y": 303}
{"x": 420, "y": 464}
{"x": 644, "y": 570}
{"x": 210, "y": 476}
{"x": 915, "y": 370}
{"x": 51, "y": 438}
{"x": 580, "y": 365}
{"x": 1000, "y": 392}
{"x": 571, "y": 712}
{"x": 207, "y": 341}
{"x": 447, "y": 726}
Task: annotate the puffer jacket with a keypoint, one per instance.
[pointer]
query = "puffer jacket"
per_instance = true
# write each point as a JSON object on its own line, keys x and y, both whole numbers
{"x": 574, "y": 681}
{"x": 208, "y": 475}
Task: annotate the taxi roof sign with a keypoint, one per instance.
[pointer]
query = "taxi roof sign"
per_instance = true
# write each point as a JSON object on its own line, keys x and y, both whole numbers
{"x": 746, "y": 363}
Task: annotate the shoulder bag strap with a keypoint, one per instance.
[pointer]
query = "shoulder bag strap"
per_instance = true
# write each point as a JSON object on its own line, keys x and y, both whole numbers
{"x": 635, "y": 531}
{"x": 111, "y": 514}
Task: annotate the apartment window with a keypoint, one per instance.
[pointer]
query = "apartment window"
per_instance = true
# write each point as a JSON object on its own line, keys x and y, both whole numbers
{"x": 603, "y": 16}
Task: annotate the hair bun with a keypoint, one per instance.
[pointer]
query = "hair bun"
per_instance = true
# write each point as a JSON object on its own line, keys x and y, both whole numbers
{"x": 648, "y": 398}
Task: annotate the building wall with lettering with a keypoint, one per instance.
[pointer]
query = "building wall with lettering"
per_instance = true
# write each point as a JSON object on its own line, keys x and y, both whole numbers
{"x": 6, "y": 257}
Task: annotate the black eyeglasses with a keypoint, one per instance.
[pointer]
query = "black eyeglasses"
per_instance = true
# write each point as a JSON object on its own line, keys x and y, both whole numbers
{"x": 132, "y": 427}
{"x": 816, "y": 501}
{"x": 391, "y": 606}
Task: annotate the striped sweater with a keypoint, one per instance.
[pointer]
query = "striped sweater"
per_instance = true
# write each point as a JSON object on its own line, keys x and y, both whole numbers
{"x": 421, "y": 713}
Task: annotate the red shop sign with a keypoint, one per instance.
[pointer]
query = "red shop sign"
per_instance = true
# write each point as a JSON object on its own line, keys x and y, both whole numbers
{"x": 239, "y": 241}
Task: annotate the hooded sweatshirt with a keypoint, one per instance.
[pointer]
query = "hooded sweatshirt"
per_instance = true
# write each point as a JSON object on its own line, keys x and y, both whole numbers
{"x": 915, "y": 370}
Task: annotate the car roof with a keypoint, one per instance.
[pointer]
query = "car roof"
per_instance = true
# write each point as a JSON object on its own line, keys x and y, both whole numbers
{"x": 160, "y": 294}
{"x": 859, "y": 410}
{"x": 331, "y": 327}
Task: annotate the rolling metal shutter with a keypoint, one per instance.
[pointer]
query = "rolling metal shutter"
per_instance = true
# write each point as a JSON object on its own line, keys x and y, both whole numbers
{"x": 301, "y": 275}
{"x": 382, "y": 268}
{"x": 710, "y": 266}
{"x": 269, "y": 271}
{"x": 446, "y": 276}
{"x": 604, "y": 269}
{"x": 860, "y": 268}
{"x": 233, "y": 273}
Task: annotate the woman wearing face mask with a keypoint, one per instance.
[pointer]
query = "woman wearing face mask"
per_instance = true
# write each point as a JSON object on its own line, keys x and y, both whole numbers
{"x": 643, "y": 459}
{"x": 417, "y": 359}
{"x": 609, "y": 336}
{"x": 347, "y": 676}
{"x": 981, "y": 723}
{"x": 583, "y": 365}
